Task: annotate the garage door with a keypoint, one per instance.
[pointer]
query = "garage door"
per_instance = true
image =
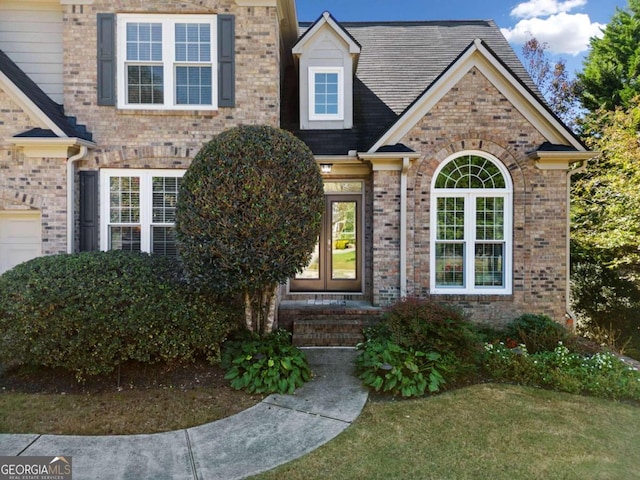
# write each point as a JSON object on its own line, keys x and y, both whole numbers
{"x": 20, "y": 238}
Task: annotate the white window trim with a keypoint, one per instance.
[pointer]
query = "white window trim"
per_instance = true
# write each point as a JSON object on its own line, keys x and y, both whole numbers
{"x": 168, "y": 60}
{"x": 146, "y": 202}
{"x": 312, "y": 93}
{"x": 470, "y": 195}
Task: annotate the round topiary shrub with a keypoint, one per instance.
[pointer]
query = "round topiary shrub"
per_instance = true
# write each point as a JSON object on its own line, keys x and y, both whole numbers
{"x": 249, "y": 214}
{"x": 90, "y": 312}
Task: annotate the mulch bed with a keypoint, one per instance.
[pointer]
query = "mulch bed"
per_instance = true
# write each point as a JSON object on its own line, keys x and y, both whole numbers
{"x": 132, "y": 375}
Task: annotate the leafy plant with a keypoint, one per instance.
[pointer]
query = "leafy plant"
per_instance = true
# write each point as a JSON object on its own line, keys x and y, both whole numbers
{"x": 390, "y": 368}
{"x": 537, "y": 332}
{"x": 426, "y": 325}
{"x": 90, "y": 312}
{"x": 268, "y": 364}
{"x": 601, "y": 375}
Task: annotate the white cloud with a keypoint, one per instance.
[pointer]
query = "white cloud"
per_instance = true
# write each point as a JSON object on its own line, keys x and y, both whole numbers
{"x": 565, "y": 34}
{"x": 543, "y": 8}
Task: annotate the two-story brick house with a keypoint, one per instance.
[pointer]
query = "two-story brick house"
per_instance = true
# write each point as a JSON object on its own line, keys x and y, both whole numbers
{"x": 445, "y": 174}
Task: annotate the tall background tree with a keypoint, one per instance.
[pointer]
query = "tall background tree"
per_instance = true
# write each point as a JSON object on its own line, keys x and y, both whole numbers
{"x": 612, "y": 69}
{"x": 553, "y": 80}
{"x": 606, "y": 197}
{"x": 248, "y": 215}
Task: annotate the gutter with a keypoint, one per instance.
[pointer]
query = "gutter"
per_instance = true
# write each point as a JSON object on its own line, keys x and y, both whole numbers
{"x": 571, "y": 317}
{"x": 403, "y": 227}
{"x": 71, "y": 196}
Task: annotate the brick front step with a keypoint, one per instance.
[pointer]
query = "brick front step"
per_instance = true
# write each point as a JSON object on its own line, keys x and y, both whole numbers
{"x": 327, "y": 325}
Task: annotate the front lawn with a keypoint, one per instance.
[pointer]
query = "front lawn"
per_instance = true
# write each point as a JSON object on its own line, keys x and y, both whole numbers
{"x": 486, "y": 431}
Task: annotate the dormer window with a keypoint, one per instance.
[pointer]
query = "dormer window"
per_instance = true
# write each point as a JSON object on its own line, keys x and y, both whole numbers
{"x": 326, "y": 93}
{"x": 327, "y": 57}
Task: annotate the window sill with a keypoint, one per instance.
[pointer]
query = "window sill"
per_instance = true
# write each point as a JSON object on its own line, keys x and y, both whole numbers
{"x": 480, "y": 297}
{"x": 168, "y": 113}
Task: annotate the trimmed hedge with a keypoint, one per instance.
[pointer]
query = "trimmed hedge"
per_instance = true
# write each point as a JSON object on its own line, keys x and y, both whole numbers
{"x": 90, "y": 312}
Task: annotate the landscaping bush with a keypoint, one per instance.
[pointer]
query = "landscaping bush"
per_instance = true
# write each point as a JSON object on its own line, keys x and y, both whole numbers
{"x": 601, "y": 375}
{"x": 249, "y": 214}
{"x": 90, "y": 312}
{"x": 267, "y": 364}
{"x": 427, "y": 325}
{"x": 390, "y": 368}
{"x": 538, "y": 332}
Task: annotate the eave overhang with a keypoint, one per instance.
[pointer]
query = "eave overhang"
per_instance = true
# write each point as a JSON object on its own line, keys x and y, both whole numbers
{"x": 49, "y": 147}
{"x": 388, "y": 161}
{"x": 559, "y": 160}
{"x": 344, "y": 165}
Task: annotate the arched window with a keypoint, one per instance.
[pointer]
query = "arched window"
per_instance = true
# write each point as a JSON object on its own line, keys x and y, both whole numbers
{"x": 471, "y": 232}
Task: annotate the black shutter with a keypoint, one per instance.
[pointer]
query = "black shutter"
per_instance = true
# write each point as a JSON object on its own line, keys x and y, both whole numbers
{"x": 226, "y": 61}
{"x": 106, "y": 59}
{"x": 88, "y": 211}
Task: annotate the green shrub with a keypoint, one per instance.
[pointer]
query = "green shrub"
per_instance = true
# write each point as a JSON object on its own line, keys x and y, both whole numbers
{"x": 538, "y": 332}
{"x": 427, "y": 325}
{"x": 268, "y": 364}
{"x": 601, "y": 375}
{"x": 249, "y": 214}
{"x": 90, "y": 312}
{"x": 390, "y": 368}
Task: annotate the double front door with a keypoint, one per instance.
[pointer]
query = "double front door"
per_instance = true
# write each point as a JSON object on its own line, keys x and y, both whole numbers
{"x": 336, "y": 263}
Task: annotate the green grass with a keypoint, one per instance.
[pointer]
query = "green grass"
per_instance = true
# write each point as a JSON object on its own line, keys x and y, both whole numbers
{"x": 482, "y": 432}
{"x": 117, "y": 413}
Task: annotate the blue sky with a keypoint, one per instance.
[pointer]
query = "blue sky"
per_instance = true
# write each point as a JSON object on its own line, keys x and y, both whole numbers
{"x": 564, "y": 25}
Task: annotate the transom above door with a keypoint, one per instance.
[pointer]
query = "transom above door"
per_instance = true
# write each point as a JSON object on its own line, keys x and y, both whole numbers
{"x": 336, "y": 263}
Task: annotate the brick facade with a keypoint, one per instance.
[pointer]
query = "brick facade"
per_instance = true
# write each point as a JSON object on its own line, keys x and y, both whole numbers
{"x": 475, "y": 116}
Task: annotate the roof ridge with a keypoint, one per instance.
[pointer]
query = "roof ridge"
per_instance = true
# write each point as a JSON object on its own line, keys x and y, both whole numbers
{"x": 403, "y": 22}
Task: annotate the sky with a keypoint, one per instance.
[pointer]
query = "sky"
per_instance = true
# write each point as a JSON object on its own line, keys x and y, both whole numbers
{"x": 564, "y": 25}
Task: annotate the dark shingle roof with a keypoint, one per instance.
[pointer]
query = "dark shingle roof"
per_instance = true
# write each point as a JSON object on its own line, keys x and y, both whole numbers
{"x": 51, "y": 109}
{"x": 399, "y": 60}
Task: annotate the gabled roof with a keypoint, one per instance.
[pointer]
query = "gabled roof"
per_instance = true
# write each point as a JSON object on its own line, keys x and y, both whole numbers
{"x": 399, "y": 64}
{"x": 38, "y": 105}
{"x": 479, "y": 55}
{"x": 327, "y": 19}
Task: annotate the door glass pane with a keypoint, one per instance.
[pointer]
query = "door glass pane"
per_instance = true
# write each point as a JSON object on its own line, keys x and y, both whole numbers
{"x": 343, "y": 240}
{"x": 342, "y": 187}
{"x": 312, "y": 270}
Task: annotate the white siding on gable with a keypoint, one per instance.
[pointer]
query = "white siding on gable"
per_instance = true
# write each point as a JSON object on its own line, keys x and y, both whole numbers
{"x": 31, "y": 36}
{"x": 326, "y": 50}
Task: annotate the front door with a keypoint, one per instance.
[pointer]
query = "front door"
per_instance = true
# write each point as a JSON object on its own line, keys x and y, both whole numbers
{"x": 336, "y": 264}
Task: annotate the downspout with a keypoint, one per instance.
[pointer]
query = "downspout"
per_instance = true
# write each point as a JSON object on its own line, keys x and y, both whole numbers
{"x": 71, "y": 196}
{"x": 403, "y": 227}
{"x": 571, "y": 318}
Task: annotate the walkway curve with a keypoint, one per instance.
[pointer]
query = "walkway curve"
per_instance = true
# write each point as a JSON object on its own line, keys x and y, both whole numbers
{"x": 271, "y": 433}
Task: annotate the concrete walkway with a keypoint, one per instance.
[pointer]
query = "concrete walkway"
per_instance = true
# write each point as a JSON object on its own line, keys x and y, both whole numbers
{"x": 276, "y": 431}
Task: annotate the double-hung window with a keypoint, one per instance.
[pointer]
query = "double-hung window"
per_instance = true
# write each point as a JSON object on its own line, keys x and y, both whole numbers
{"x": 326, "y": 93}
{"x": 471, "y": 232}
{"x": 167, "y": 61}
{"x": 138, "y": 210}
